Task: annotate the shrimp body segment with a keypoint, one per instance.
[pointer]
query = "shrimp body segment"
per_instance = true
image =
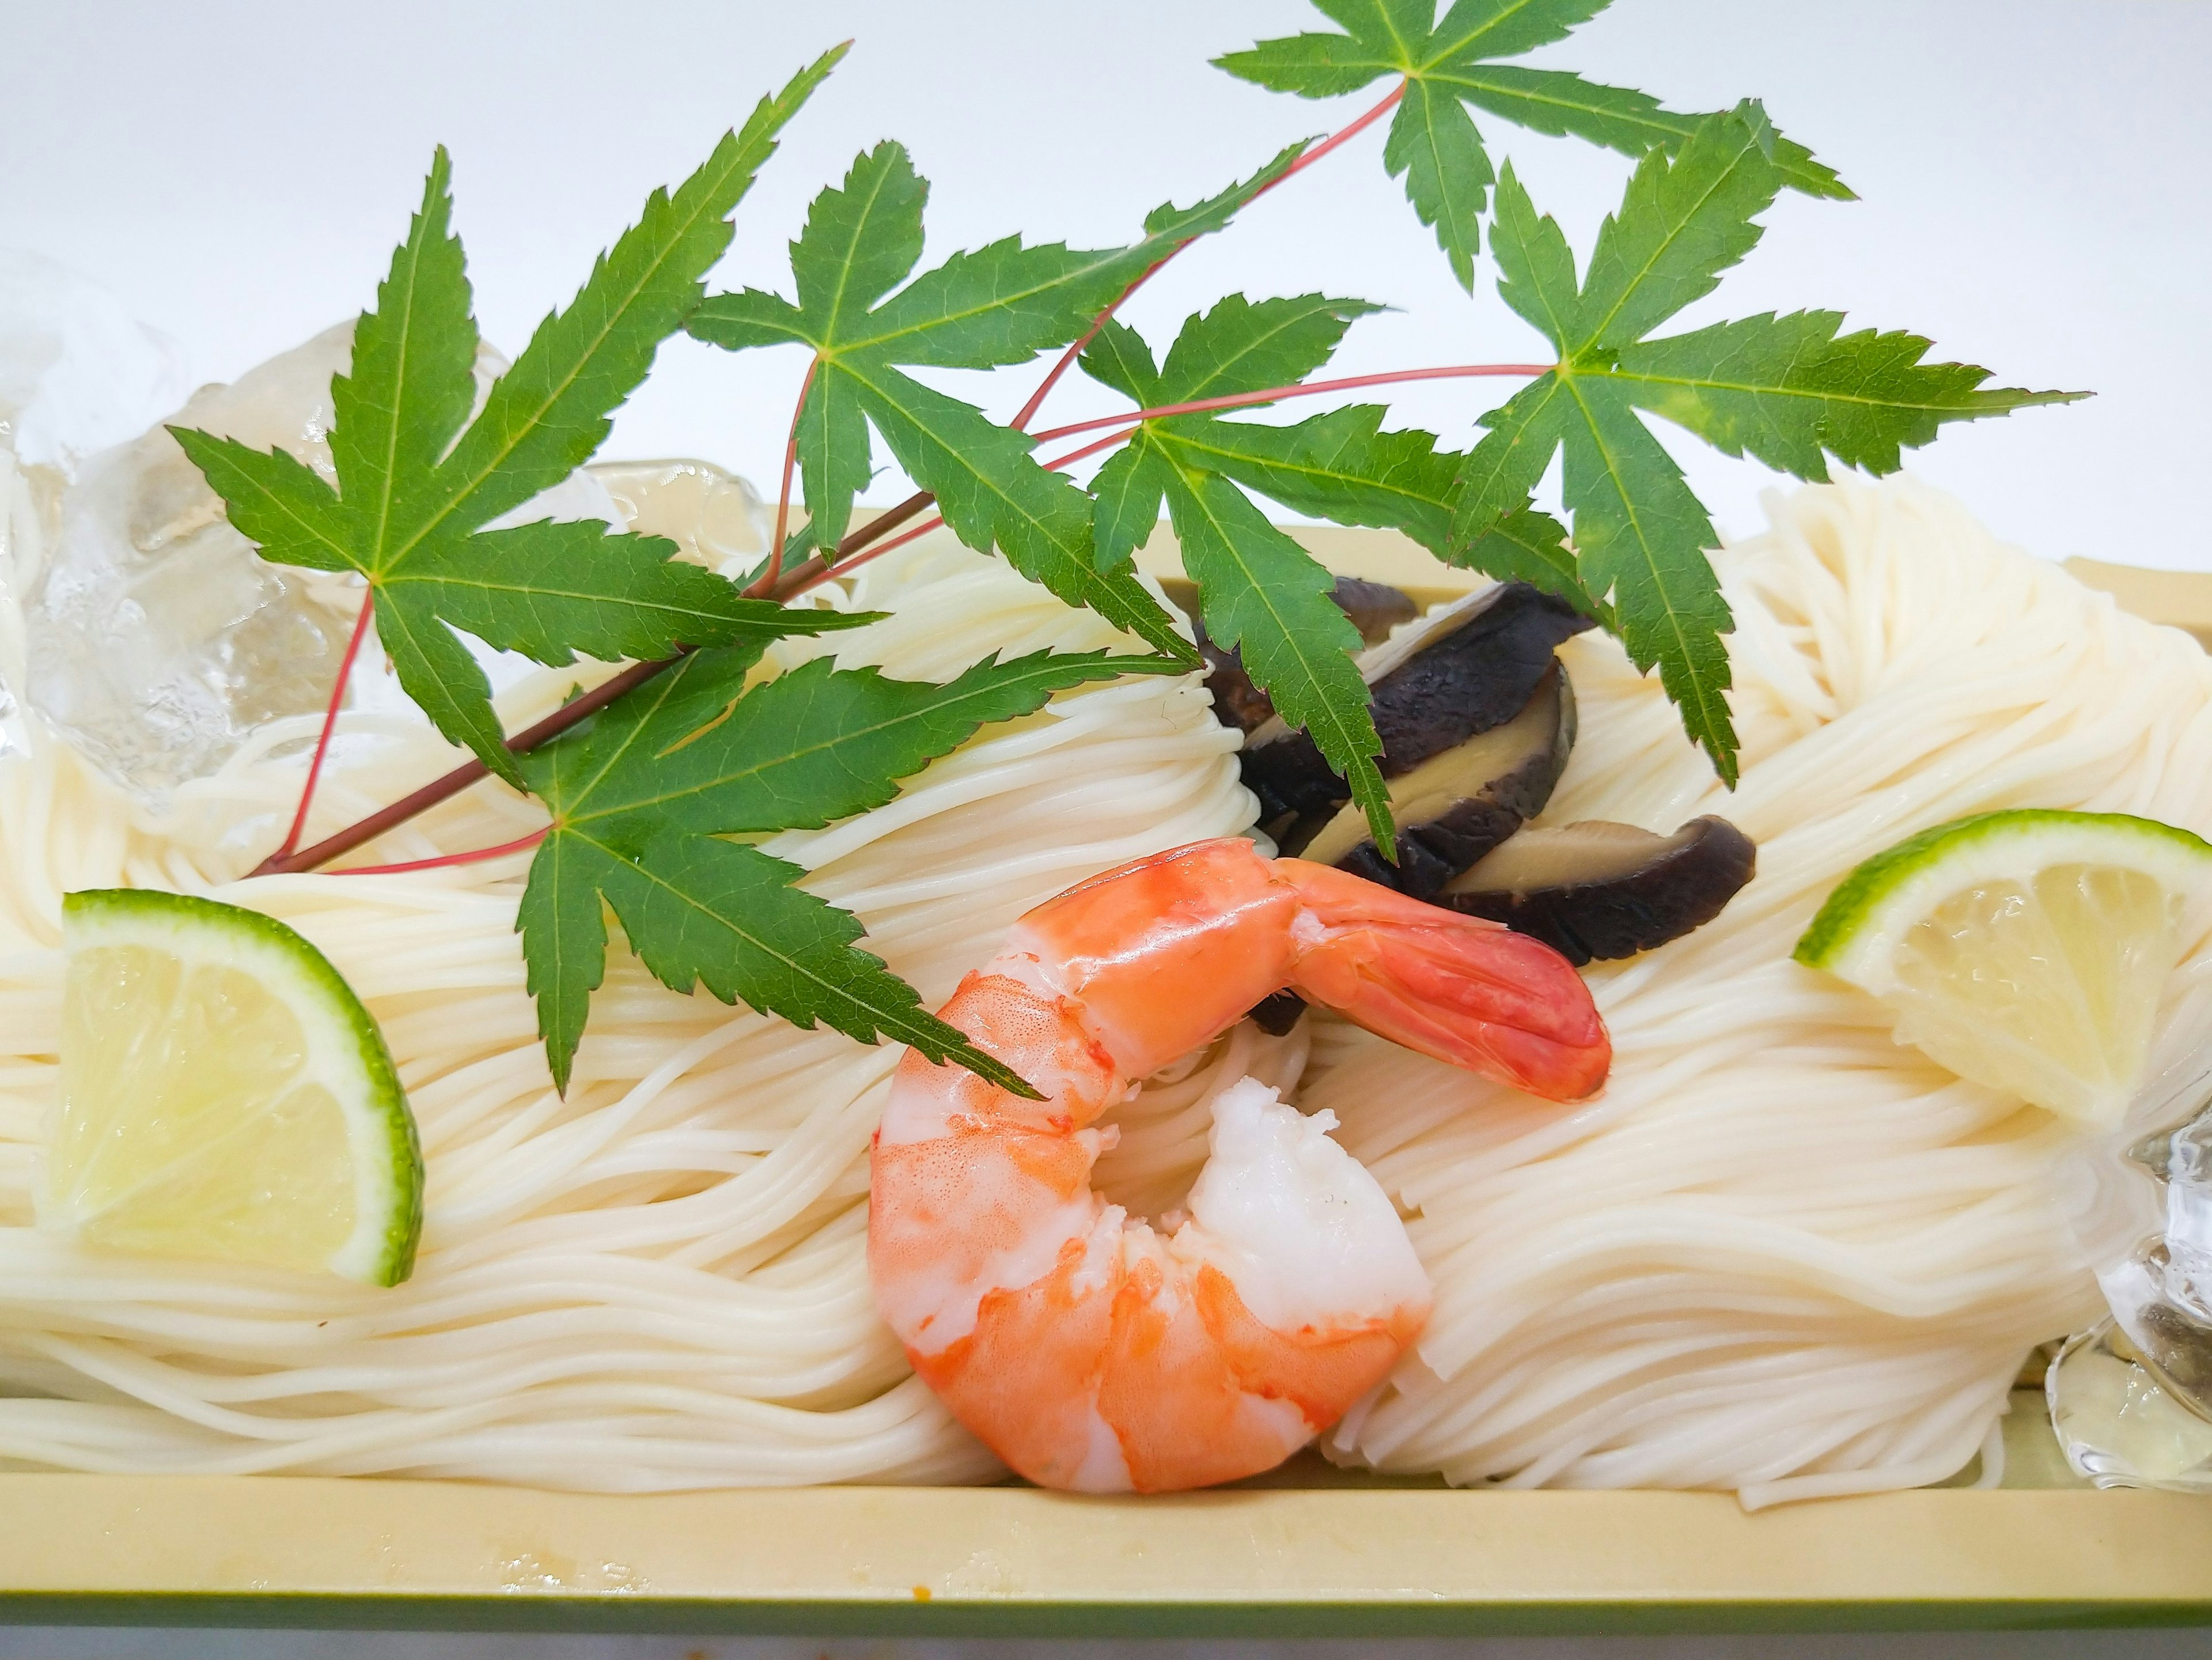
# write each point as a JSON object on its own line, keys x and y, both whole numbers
{"x": 1091, "y": 1353}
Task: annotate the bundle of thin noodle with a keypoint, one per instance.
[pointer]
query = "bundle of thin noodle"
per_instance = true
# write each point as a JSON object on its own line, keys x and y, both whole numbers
{"x": 1779, "y": 1253}
{"x": 1782, "y": 1254}
{"x": 659, "y": 1282}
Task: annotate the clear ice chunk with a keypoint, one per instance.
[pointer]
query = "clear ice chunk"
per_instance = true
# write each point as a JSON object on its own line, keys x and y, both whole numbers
{"x": 2131, "y": 1399}
{"x": 146, "y": 629}
{"x": 2119, "y": 1422}
{"x": 160, "y": 639}
{"x": 77, "y": 372}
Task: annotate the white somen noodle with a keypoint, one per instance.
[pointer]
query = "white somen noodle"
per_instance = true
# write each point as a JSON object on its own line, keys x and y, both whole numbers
{"x": 1780, "y": 1254}
{"x": 660, "y": 1281}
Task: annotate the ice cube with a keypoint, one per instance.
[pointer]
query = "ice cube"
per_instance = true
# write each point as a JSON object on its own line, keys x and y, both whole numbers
{"x": 2119, "y": 1422}
{"x": 30, "y": 506}
{"x": 77, "y": 372}
{"x": 159, "y": 638}
{"x": 2131, "y": 1399}
{"x": 155, "y": 637}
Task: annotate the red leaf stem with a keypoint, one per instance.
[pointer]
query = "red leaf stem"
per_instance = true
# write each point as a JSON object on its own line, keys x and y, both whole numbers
{"x": 1066, "y": 361}
{"x": 330, "y": 724}
{"x": 474, "y": 856}
{"x": 765, "y": 584}
{"x": 1304, "y": 389}
{"x": 1389, "y": 103}
{"x": 928, "y": 525}
{"x": 1088, "y": 450}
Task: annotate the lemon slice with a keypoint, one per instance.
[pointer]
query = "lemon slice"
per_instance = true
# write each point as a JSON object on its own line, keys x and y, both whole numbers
{"x": 2025, "y": 950}
{"x": 224, "y": 1095}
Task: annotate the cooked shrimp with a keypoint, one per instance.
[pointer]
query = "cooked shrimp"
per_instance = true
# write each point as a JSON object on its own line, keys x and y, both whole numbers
{"x": 1091, "y": 1353}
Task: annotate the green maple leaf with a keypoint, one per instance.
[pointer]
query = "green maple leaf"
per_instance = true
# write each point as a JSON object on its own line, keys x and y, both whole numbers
{"x": 642, "y": 795}
{"x": 1343, "y": 467}
{"x": 998, "y": 305}
{"x": 1263, "y": 594}
{"x": 1449, "y": 64}
{"x": 1790, "y": 391}
{"x": 418, "y": 481}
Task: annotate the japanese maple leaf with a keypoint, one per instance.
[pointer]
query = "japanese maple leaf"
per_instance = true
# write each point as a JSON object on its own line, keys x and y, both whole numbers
{"x": 1447, "y": 64}
{"x": 867, "y": 322}
{"x": 418, "y": 481}
{"x": 1790, "y": 391}
{"x": 1261, "y": 595}
{"x": 644, "y": 795}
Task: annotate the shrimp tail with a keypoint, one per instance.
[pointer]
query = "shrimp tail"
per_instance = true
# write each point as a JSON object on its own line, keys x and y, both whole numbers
{"x": 1457, "y": 989}
{"x": 1092, "y": 1351}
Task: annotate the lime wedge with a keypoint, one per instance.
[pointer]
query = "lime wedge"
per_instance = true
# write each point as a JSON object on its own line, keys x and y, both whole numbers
{"x": 224, "y": 1095}
{"x": 2025, "y": 950}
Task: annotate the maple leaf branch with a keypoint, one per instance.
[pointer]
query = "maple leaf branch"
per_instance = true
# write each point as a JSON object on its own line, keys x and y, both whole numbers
{"x": 811, "y": 574}
{"x": 572, "y": 713}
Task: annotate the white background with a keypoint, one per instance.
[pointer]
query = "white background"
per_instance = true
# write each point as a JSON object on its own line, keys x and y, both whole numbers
{"x": 2032, "y": 176}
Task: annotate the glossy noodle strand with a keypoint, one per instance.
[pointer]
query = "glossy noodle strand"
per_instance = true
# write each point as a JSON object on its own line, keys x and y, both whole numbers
{"x": 1780, "y": 1254}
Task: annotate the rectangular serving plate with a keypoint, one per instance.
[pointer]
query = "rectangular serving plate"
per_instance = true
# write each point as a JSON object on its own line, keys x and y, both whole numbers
{"x": 1309, "y": 1552}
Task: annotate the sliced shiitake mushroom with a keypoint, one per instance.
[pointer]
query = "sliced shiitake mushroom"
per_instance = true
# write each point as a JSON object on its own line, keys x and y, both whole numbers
{"x": 1470, "y": 666}
{"x": 1601, "y": 889}
{"x": 1374, "y": 609}
{"x": 1237, "y": 702}
{"x": 1453, "y": 808}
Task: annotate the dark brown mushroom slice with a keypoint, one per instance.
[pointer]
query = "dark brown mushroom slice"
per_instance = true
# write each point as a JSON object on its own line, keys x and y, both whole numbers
{"x": 1237, "y": 702}
{"x": 1374, "y": 609}
{"x": 1470, "y": 666}
{"x": 1455, "y": 806}
{"x": 1602, "y": 890}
